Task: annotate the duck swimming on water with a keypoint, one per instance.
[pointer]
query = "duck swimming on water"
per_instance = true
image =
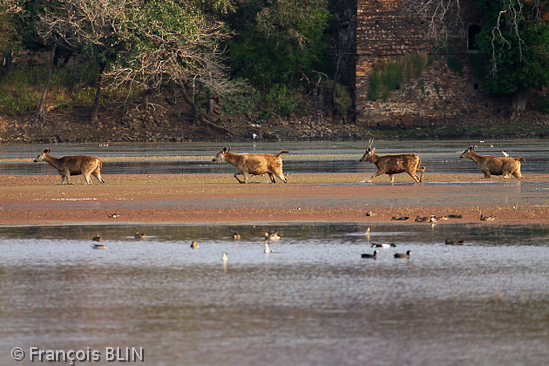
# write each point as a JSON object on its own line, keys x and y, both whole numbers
{"x": 373, "y": 256}
{"x": 402, "y": 255}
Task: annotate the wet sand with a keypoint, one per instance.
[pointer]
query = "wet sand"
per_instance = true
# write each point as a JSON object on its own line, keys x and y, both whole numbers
{"x": 211, "y": 199}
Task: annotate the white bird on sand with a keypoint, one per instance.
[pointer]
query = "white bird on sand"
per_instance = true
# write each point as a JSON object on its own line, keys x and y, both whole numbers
{"x": 505, "y": 154}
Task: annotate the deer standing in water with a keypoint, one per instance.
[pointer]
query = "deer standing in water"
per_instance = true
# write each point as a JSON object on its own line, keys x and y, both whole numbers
{"x": 393, "y": 164}
{"x": 73, "y": 165}
{"x": 495, "y": 165}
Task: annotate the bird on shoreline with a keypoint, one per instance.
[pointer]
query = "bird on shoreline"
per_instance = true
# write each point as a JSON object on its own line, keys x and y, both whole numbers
{"x": 139, "y": 235}
{"x": 373, "y": 256}
{"x": 487, "y": 218}
{"x": 267, "y": 249}
{"x": 97, "y": 238}
{"x": 402, "y": 255}
{"x": 224, "y": 257}
{"x": 100, "y": 246}
{"x": 272, "y": 235}
{"x": 453, "y": 242}
{"x": 194, "y": 245}
{"x": 236, "y": 236}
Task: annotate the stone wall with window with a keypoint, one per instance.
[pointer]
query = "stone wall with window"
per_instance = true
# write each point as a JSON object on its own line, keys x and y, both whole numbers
{"x": 444, "y": 94}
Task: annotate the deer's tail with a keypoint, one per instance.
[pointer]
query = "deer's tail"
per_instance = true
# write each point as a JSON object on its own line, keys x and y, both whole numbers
{"x": 282, "y": 152}
{"x": 521, "y": 159}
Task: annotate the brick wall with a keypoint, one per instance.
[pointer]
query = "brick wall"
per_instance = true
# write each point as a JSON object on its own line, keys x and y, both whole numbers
{"x": 440, "y": 96}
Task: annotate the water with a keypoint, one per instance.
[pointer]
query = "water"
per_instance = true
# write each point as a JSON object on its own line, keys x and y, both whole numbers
{"x": 304, "y": 157}
{"x": 314, "y": 301}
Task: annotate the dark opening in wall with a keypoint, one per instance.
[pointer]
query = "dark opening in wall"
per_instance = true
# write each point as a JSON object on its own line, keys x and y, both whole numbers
{"x": 475, "y": 86}
{"x": 472, "y": 31}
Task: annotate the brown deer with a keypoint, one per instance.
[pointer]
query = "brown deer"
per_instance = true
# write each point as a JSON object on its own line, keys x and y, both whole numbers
{"x": 495, "y": 165}
{"x": 253, "y": 164}
{"x": 73, "y": 165}
{"x": 393, "y": 164}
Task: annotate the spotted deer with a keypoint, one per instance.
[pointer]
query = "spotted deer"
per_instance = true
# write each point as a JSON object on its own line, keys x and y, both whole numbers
{"x": 393, "y": 164}
{"x": 73, "y": 165}
{"x": 495, "y": 165}
{"x": 253, "y": 164}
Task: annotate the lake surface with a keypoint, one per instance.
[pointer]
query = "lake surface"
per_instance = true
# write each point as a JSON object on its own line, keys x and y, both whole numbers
{"x": 304, "y": 157}
{"x": 314, "y": 301}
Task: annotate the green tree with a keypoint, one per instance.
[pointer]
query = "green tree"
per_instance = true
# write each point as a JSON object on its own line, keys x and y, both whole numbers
{"x": 276, "y": 40}
{"x": 515, "y": 46}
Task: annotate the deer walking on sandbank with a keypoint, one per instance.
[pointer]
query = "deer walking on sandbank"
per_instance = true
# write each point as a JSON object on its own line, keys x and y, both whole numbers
{"x": 73, "y": 165}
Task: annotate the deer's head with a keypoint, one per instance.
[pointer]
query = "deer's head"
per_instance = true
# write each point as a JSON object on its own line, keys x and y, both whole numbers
{"x": 220, "y": 157}
{"x": 467, "y": 153}
{"x": 370, "y": 152}
{"x": 42, "y": 156}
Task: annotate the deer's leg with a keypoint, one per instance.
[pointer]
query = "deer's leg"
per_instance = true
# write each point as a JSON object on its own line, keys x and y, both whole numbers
{"x": 378, "y": 173}
{"x": 271, "y": 177}
{"x": 487, "y": 174}
{"x": 65, "y": 177}
{"x": 391, "y": 178}
{"x": 422, "y": 172}
{"x": 96, "y": 173}
{"x": 87, "y": 177}
{"x": 235, "y": 175}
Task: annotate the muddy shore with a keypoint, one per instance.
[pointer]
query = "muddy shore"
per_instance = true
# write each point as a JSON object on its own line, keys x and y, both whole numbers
{"x": 219, "y": 199}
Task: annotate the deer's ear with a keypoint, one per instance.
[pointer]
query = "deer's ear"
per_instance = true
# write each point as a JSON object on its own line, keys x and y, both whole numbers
{"x": 47, "y": 151}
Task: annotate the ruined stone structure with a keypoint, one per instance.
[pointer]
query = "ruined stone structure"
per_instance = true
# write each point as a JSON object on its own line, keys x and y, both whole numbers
{"x": 440, "y": 96}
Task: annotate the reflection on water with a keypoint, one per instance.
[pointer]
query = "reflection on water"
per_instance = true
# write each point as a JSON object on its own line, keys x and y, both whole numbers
{"x": 304, "y": 157}
{"x": 314, "y": 301}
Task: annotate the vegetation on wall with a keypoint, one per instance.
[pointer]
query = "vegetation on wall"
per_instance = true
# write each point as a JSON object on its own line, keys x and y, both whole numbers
{"x": 390, "y": 75}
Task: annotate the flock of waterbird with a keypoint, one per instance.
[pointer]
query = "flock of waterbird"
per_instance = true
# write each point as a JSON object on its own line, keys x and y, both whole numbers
{"x": 269, "y": 236}
{"x": 274, "y": 236}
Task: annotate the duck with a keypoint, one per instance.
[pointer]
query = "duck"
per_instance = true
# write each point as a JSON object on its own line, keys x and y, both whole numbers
{"x": 453, "y": 242}
{"x": 400, "y": 218}
{"x": 383, "y": 245}
{"x": 139, "y": 235}
{"x": 236, "y": 236}
{"x": 100, "y": 246}
{"x": 273, "y": 235}
{"x": 432, "y": 218}
{"x": 443, "y": 218}
{"x": 97, "y": 238}
{"x": 454, "y": 216}
{"x": 224, "y": 257}
{"x": 194, "y": 244}
{"x": 403, "y": 255}
{"x": 373, "y": 256}
{"x": 487, "y": 218}
{"x": 422, "y": 219}
{"x": 267, "y": 249}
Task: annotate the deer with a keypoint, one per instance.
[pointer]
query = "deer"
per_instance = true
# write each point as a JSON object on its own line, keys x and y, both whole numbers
{"x": 253, "y": 164}
{"x": 495, "y": 165}
{"x": 393, "y": 164}
{"x": 73, "y": 165}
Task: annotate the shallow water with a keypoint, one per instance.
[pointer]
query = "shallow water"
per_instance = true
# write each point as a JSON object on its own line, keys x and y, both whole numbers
{"x": 304, "y": 157}
{"x": 314, "y": 301}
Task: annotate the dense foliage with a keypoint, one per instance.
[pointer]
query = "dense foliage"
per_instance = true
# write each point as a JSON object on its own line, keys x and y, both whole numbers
{"x": 515, "y": 45}
{"x": 222, "y": 50}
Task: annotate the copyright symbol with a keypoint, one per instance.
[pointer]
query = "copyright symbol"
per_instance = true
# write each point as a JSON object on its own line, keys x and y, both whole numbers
{"x": 17, "y": 353}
